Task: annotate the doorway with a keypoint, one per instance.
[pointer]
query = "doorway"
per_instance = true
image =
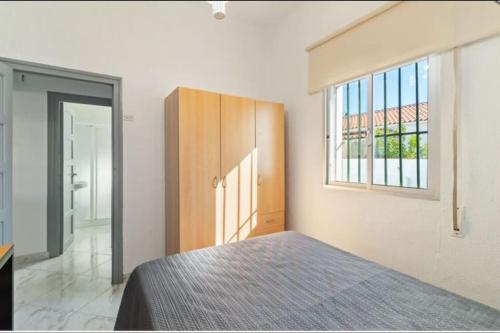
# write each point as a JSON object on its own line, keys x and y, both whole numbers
{"x": 11, "y": 71}
{"x": 79, "y": 173}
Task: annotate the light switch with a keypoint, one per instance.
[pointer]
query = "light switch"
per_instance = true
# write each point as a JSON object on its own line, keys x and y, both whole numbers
{"x": 128, "y": 117}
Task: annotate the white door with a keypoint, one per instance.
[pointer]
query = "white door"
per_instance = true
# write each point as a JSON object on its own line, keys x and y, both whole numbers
{"x": 68, "y": 176}
{"x": 5, "y": 154}
{"x": 83, "y": 166}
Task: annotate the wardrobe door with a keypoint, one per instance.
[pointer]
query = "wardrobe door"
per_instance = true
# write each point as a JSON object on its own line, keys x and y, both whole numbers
{"x": 270, "y": 141}
{"x": 172, "y": 173}
{"x": 237, "y": 146}
{"x": 199, "y": 167}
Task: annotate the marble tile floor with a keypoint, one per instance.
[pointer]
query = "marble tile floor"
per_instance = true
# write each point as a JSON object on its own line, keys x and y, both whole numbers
{"x": 72, "y": 291}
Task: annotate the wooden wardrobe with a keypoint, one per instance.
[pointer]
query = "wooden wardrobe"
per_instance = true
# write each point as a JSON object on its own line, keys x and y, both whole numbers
{"x": 224, "y": 169}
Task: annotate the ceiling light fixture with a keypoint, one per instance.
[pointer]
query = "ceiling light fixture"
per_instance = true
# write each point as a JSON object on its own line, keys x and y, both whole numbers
{"x": 218, "y": 9}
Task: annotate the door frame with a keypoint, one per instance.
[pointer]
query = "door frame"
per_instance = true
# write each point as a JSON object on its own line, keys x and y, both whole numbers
{"x": 117, "y": 146}
{"x": 55, "y": 165}
{"x": 6, "y": 168}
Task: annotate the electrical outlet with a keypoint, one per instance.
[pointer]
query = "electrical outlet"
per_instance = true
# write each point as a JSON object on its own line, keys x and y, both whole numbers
{"x": 461, "y": 216}
{"x": 461, "y": 223}
{"x": 128, "y": 117}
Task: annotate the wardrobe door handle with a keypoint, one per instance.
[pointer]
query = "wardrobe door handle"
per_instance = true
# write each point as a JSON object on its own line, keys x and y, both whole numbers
{"x": 214, "y": 182}
{"x": 259, "y": 180}
{"x": 224, "y": 181}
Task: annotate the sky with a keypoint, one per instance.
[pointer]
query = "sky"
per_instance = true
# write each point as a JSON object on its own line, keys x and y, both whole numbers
{"x": 408, "y": 88}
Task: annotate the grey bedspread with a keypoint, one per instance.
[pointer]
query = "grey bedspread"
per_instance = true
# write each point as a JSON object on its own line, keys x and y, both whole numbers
{"x": 288, "y": 281}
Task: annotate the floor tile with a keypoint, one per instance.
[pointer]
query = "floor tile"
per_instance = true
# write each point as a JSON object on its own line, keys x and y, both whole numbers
{"x": 71, "y": 263}
{"x": 31, "y": 284}
{"x": 88, "y": 322}
{"x": 44, "y": 264}
{"x": 101, "y": 271}
{"x": 92, "y": 244}
{"x": 107, "y": 304}
{"x": 72, "y": 291}
{"x": 75, "y": 295}
{"x": 31, "y": 317}
{"x": 17, "y": 305}
{"x": 21, "y": 275}
{"x": 37, "y": 318}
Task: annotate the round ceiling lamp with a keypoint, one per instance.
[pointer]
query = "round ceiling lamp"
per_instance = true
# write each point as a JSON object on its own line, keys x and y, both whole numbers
{"x": 218, "y": 9}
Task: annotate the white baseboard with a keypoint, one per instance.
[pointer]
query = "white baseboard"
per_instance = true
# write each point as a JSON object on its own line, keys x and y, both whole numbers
{"x": 29, "y": 258}
{"x": 92, "y": 223}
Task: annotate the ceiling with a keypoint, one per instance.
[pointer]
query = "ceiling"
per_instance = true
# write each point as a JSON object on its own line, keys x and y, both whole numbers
{"x": 260, "y": 13}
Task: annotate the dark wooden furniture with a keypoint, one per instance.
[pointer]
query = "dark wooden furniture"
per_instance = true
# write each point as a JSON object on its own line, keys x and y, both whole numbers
{"x": 6, "y": 287}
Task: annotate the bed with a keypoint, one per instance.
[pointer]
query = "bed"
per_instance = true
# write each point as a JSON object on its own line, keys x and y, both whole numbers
{"x": 288, "y": 281}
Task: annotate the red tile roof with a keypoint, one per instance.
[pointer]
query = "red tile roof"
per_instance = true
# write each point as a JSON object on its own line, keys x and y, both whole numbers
{"x": 408, "y": 115}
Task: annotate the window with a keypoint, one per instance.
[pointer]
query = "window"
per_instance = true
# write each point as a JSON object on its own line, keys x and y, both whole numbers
{"x": 377, "y": 129}
{"x": 350, "y": 131}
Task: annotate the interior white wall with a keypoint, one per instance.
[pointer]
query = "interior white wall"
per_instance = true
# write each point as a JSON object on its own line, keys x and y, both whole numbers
{"x": 104, "y": 172}
{"x": 92, "y": 114}
{"x": 157, "y": 46}
{"x": 154, "y": 47}
{"x": 29, "y": 188}
{"x": 92, "y": 148}
{"x": 409, "y": 235}
{"x": 83, "y": 161}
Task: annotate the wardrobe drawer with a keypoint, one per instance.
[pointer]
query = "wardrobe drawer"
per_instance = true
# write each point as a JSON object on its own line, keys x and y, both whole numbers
{"x": 269, "y": 223}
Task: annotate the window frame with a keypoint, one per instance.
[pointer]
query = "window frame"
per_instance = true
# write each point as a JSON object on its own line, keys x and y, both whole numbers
{"x": 433, "y": 127}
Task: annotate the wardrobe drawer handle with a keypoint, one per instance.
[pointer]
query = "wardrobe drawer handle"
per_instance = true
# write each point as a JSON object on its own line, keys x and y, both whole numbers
{"x": 270, "y": 220}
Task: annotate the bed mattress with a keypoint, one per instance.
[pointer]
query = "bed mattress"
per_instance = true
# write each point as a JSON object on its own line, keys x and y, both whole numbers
{"x": 288, "y": 281}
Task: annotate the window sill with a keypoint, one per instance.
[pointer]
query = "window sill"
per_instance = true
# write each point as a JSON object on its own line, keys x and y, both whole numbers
{"x": 384, "y": 190}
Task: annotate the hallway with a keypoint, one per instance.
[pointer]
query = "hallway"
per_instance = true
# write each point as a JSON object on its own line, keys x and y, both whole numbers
{"x": 72, "y": 291}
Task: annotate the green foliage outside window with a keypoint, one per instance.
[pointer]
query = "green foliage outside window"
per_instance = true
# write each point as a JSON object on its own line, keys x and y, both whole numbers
{"x": 408, "y": 148}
